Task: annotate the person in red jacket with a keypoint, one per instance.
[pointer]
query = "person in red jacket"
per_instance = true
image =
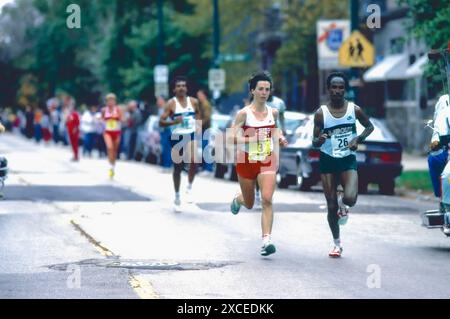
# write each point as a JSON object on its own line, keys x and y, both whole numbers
{"x": 73, "y": 130}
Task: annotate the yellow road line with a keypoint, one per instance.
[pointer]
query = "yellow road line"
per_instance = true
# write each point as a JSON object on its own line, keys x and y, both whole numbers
{"x": 102, "y": 249}
{"x": 143, "y": 287}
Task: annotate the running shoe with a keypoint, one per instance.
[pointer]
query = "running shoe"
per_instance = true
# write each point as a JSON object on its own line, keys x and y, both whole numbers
{"x": 268, "y": 248}
{"x": 177, "y": 204}
{"x": 235, "y": 206}
{"x": 189, "y": 197}
{"x": 336, "y": 252}
{"x": 446, "y": 227}
{"x": 446, "y": 230}
{"x": 111, "y": 173}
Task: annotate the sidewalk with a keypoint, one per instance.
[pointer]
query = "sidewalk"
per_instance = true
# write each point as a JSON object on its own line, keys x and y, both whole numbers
{"x": 414, "y": 162}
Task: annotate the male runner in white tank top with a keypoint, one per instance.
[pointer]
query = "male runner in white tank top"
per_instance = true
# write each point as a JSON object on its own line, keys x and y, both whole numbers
{"x": 180, "y": 115}
{"x": 335, "y": 134}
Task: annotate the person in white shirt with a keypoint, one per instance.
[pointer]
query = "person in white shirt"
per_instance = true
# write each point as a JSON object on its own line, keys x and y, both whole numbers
{"x": 88, "y": 129}
{"x": 437, "y": 158}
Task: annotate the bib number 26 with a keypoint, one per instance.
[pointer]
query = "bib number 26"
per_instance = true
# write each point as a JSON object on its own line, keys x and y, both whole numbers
{"x": 342, "y": 142}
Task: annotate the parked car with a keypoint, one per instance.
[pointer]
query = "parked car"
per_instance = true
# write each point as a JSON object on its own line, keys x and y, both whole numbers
{"x": 379, "y": 158}
{"x": 148, "y": 143}
{"x": 222, "y": 153}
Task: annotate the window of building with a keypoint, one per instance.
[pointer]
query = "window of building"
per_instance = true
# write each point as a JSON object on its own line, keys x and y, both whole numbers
{"x": 396, "y": 90}
{"x": 397, "y": 45}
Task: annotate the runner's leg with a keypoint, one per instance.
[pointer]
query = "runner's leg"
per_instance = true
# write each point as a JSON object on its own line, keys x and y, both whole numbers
{"x": 247, "y": 195}
{"x": 267, "y": 186}
{"x": 330, "y": 192}
{"x": 349, "y": 180}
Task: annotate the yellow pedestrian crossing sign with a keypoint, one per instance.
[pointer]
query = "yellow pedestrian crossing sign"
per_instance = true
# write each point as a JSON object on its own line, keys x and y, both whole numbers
{"x": 356, "y": 51}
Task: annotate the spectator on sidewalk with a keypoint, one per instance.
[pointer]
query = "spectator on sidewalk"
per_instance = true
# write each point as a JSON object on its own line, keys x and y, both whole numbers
{"x": 437, "y": 158}
{"x": 134, "y": 120}
{"x": 37, "y": 125}
{"x": 46, "y": 127}
{"x": 88, "y": 129}
{"x": 29, "y": 122}
{"x": 205, "y": 115}
{"x": 73, "y": 130}
{"x": 166, "y": 160}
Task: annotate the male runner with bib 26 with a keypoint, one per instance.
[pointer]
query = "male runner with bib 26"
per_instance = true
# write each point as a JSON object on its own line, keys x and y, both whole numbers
{"x": 335, "y": 134}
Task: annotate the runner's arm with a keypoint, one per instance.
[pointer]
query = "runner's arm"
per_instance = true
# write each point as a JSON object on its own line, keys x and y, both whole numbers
{"x": 198, "y": 115}
{"x": 278, "y": 132}
{"x": 318, "y": 136}
{"x": 236, "y": 136}
{"x": 163, "y": 122}
{"x": 364, "y": 120}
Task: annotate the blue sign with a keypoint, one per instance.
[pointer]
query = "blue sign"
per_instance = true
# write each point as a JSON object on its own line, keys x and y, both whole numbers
{"x": 334, "y": 39}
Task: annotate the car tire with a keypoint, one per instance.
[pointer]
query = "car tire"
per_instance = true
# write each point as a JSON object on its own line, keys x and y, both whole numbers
{"x": 282, "y": 182}
{"x": 363, "y": 187}
{"x": 219, "y": 171}
{"x": 387, "y": 187}
{"x": 234, "y": 176}
{"x": 305, "y": 184}
{"x": 138, "y": 156}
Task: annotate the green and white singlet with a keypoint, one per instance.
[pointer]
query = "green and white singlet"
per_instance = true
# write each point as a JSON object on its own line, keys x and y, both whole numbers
{"x": 340, "y": 132}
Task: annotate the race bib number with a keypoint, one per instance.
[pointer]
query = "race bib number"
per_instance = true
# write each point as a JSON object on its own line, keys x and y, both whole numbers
{"x": 188, "y": 122}
{"x": 258, "y": 151}
{"x": 339, "y": 144}
{"x": 112, "y": 125}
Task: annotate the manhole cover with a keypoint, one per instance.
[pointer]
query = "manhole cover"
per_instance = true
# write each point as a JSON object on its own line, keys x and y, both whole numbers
{"x": 147, "y": 264}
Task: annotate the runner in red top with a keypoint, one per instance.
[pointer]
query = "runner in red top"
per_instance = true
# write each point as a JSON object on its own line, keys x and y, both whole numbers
{"x": 256, "y": 132}
{"x": 112, "y": 117}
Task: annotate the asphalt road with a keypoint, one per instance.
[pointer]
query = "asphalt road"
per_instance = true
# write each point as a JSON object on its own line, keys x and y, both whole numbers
{"x": 69, "y": 232}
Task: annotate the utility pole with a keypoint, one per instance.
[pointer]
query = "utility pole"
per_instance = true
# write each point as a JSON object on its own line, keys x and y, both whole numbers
{"x": 354, "y": 25}
{"x": 216, "y": 34}
{"x": 213, "y": 72}
{"x": 160, "y": 54}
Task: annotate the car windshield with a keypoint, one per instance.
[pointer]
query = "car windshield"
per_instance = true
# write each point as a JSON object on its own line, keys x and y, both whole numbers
{"x": 291, "y": 124}
{"x": 220, "y": 122}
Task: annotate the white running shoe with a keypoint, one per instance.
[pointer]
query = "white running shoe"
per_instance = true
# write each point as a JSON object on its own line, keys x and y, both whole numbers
{"x": 446, "y": 230}
{"x": 336, "y": 252}
{"x": 189, "y": 197}
{"x": 268, "y": 248}
{"x": 177, "y": 204}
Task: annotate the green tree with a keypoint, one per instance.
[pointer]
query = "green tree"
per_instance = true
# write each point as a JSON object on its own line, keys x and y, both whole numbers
{"x": 298, "y": 54}
{"x": 430, "y": 23}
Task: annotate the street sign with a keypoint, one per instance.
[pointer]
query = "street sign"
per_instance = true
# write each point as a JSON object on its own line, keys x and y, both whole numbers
{"x": 330, "y": 36}
{"x": 161, "y": 73}
{"x": 239, "y": 57}
{"x": 216, "y": 79}
{"x": 162, "y": 89}
{"x": 357, "y": 52}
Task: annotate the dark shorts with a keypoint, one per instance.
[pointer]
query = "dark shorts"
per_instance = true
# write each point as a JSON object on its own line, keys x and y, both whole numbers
{"x": 181, "y": 138}
{"x": 329, "y": 164}
{"x": 178, "y": 144}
